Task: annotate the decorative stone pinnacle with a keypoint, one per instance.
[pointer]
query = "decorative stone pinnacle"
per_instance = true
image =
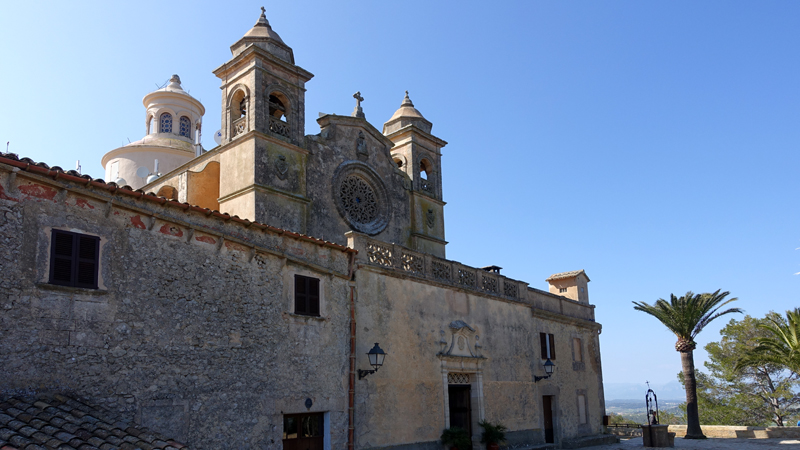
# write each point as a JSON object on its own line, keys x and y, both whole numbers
{"x": 175, "y": 82}
{"x": 406, "y": 101}
{"x": 262, "y": 21}
{"x": 358, "y": 112}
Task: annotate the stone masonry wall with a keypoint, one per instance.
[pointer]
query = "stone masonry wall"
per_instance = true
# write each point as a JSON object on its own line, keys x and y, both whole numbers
{"x": 191, "y": 332}
{"x": 405, "y": 303}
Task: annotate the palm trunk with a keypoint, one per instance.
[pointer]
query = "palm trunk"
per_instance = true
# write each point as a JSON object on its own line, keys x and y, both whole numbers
{"x": 693, "y": 430}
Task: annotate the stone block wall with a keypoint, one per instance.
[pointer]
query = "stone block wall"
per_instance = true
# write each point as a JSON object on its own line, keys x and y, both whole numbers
{"x": 191, "y": 332}
{"x": 418, "y": 309}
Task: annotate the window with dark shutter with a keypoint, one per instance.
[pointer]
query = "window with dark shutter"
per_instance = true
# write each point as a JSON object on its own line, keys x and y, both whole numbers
{"x": 548, "y": 344}
{"x": 74, "y": 259}
{"x": 306, "y": 295}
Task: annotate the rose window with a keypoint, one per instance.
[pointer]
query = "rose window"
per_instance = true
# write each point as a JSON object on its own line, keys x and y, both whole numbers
{"x": 358, "y": 200}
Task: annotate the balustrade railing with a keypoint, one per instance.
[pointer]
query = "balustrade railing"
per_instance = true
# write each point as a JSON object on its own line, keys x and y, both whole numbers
{"x": 426, "y": 186}
{"x": 278, "y": 126}
{"x": 239, "y": 126}
{"x": 444, "y": 271}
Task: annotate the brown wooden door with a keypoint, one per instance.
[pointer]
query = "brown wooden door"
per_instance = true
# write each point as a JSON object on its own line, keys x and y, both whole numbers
{"x": 547, "y": 410}
{"x": 303, "y": 432}
{"x": 460, "y": 411}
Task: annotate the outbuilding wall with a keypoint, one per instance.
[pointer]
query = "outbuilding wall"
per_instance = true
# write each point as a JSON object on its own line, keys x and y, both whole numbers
{"x": 191, "y": 332}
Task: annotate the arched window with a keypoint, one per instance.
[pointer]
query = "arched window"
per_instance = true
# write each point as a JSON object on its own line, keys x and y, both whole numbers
{"x": 279, "y": 114}
{"x": 238, "y": 105}
{"x": 186, "y": 127}
{"x": 277, "y": 106}
{"x": 424, "y": 169}
{"x": 165, "y": 123}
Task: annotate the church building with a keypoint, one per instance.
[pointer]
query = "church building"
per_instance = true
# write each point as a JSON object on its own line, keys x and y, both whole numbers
{"x": 281, "y": 290}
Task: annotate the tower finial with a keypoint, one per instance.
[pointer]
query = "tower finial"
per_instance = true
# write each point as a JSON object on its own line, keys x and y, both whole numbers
{"x": 358, "y": 112}
{"x": 406, "y": 101}
{"x": 262, "y": 20}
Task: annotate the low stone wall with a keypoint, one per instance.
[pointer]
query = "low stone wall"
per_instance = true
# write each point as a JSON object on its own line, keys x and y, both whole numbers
{"x": 633, "y": 431}
{"x": 726, "y": 431}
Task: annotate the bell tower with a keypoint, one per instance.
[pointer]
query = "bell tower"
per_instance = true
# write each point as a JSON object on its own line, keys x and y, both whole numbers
{"x": 418, "y": 153}
{"x": 262, "y": 88}
{"x": 263, "y": 156}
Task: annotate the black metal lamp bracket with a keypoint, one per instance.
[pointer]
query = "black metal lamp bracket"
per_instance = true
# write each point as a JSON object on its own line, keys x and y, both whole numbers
{"x": 364, "y": 373}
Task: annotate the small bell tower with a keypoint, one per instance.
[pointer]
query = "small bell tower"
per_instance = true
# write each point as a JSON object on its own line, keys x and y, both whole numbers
{"x": 262, "y": 153}
{"x": 418, "y": 153}
{"x": 262, "y": 88}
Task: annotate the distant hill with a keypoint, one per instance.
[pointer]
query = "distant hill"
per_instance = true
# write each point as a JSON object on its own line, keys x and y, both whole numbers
{"x": 636, "y": 410}
{"x": 672, "y": 391}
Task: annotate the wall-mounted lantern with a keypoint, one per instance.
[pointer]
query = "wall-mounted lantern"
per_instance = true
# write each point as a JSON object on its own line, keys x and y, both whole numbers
{"x": 549, "y": 367}
{"x": 376, "y": 356}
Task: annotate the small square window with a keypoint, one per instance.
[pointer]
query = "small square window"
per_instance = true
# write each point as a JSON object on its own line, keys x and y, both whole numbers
{"x": 74, "y": 259}
{"x": 582, "y": 290}
{"x": 562, "y": 290}
{"x": 306, "y": 295}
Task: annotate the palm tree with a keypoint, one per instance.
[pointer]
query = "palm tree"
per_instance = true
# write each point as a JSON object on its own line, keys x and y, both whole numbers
{"x": 686, "y": 317}
{"x": 782, "y": 348}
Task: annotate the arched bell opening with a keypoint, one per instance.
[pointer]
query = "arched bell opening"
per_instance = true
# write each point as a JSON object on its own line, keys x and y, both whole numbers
{"x": 238, "y": 110}
{"x": 279, "y": 114}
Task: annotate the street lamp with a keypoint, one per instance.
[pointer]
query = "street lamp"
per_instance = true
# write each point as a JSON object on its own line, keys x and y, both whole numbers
{"x": 376, "y": 356}
{"x": 548, "y": 369}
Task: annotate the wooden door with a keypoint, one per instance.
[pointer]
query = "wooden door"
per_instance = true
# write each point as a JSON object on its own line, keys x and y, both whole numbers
{"x": 303, "y": 432}
{"x": 547, "y": 411}
{"x": 460, "y": 411}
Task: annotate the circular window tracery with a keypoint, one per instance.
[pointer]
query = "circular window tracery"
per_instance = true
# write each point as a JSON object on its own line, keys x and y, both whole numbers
{"x": 358, "y": 200}
{"x": 361, "y": 198}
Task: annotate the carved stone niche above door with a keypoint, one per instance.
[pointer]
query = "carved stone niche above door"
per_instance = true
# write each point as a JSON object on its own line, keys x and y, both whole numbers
{"x": 462, "y": 364}
{"x": 464, "y": 341}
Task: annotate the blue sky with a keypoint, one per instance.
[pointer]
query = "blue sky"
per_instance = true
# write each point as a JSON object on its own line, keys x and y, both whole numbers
{"x": 653, "y": 144}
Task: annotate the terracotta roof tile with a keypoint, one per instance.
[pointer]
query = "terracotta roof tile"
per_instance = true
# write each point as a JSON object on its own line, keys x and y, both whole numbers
{"x": 61, "y": 423}
{"x": 56, "y": 173}
{"x": 562, "y": 275}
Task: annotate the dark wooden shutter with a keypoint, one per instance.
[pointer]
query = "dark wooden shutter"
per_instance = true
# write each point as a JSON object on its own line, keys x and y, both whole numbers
{"x": 543, "y": 342}
{"x": 299, "y": 295}
{"x": 87, "y": 261}
{"x": 74, "y": 259}
{"x": 313, "y": 296}
{"x": 61, "y": 258}
{"x": 306, "y": 295}
{"x": 552, "y": 346}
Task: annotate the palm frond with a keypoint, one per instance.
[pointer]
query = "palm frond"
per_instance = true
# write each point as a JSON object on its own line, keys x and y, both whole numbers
{"x": 686, "y": 316}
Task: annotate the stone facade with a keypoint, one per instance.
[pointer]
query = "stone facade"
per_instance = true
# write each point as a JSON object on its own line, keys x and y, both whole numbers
{"x": 191, "y": 331}
{"x": 194, "y": 330}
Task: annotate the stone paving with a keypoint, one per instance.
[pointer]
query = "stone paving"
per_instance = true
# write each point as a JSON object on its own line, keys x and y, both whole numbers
{"x": 710, "y": 444}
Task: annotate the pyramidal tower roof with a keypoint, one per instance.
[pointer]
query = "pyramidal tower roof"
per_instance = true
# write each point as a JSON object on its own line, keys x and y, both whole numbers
{"x": 406, "y": 115}
{"x": 263, "y": 36}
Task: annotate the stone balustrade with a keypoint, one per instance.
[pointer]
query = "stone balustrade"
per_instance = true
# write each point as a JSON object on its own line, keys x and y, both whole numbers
{"x": 425, "y": 266}
{"x": 239, "y": 126}
{"x": 278, "y": 126}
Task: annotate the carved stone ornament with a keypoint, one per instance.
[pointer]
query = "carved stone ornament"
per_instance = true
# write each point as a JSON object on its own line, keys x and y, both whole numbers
{"x": 361, "y": 144}
{"x": 430, "y": 218}
{"x": 360, "y": 197}
{"x": 463, "y": 341}
{"x": 281, "y": 167}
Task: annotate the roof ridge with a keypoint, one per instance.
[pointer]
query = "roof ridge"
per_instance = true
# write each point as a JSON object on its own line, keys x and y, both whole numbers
{"x": 57, "y": 172}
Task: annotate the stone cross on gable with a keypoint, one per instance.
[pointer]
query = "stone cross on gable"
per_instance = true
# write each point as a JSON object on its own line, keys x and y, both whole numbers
{"x": 358, "y": 112}
{"x": 263, "y": 10}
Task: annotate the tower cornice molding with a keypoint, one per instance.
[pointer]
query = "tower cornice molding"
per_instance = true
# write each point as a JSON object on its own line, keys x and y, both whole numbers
{"x": 251, "y": 53}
